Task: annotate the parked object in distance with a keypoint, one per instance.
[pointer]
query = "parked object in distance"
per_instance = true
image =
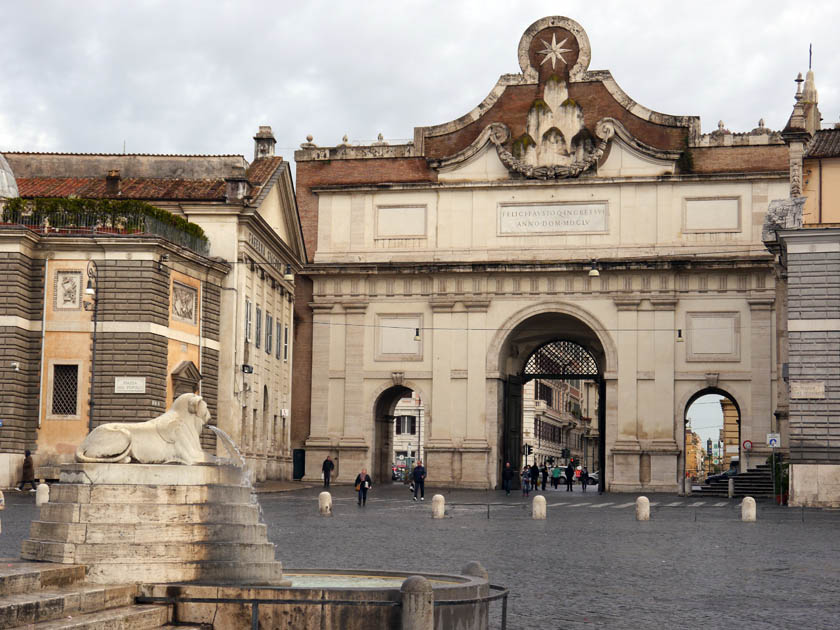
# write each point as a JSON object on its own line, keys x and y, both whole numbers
{"x": 722, "y": 476}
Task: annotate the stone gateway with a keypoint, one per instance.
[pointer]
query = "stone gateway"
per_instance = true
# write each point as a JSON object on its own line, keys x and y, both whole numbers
{"x": 558, "y": 231}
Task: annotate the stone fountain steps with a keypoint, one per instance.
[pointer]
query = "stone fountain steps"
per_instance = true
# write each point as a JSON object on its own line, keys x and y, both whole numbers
{"x": 146, "y": 533}
{"x": 155, "y": 523}
{"x": 44, "y": 596}
{"x": 137, "y": 513}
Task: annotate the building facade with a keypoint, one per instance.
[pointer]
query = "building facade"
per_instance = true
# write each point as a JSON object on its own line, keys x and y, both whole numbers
{"x": 558, "y": 231}
{"x": 803, "y": 231}
{"x": 241, "y": 352}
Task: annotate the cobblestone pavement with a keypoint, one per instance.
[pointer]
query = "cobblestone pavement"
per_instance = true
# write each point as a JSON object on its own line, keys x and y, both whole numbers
{"x": 589, "y": 565}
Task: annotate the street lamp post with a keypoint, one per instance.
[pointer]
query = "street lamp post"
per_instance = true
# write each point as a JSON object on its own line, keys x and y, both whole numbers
{"x": 92, "y": 291}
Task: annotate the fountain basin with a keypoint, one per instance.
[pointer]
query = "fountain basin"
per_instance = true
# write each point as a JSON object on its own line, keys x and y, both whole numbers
{"x": 329, "y": 599}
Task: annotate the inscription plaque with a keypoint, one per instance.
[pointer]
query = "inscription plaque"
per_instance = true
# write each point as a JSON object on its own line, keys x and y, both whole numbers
{"x": 552, "y": 218}
{"x": 807, "y": 389}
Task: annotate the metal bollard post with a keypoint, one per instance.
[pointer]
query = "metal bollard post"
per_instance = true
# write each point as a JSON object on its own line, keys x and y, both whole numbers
{"x": 748, "y": 510}
{"x": 325, "y": 504}
{"x": 731, "y": 488}
{"x": 642, "y": 509}
{"x": 418, "y": 604}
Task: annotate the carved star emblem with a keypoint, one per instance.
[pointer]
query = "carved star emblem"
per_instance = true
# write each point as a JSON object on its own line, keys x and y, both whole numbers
{"x": 553, "y": 51}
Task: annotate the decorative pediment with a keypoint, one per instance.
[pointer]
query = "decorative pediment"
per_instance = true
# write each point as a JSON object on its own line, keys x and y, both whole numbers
{"x": 557, "y": 119}
{"x": 185, "y": 378}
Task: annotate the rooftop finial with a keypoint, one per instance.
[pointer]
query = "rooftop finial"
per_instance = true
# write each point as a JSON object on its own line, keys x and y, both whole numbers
{"x": 721, "y": 126}
{"x": 761, "y": 122}
{"x": 810, "y": 54}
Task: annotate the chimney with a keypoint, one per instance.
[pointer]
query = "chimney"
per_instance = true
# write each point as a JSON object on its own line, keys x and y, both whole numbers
{"x": 112, "y": 182}
{"x": 237, "y": 186}
{"x": 264, "y": 143}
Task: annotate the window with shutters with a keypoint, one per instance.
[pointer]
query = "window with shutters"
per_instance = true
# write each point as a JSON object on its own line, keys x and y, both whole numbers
{"x": 248, "y": 321}
{"x": 258, "y": 331}
{"x": 269, "y": 332}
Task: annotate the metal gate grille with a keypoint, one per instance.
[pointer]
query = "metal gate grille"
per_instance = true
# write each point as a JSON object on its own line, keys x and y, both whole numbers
{"x": 65, "y": 389}
{"x": 561, "y": 359}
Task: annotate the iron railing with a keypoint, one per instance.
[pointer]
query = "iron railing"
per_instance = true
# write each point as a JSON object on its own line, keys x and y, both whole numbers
{"x": 81, "y": 224}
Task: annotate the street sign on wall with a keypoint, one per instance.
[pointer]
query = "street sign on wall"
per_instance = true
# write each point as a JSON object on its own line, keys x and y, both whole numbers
{"x": 774, "y": 440}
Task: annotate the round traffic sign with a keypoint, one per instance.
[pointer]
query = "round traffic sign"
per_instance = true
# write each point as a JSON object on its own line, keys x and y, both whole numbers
{"x": 747, "y": 445}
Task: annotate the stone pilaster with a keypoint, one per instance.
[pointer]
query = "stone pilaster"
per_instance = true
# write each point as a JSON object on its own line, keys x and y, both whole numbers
{"x": 323, "y": 319}
{"x": 356, "y": 418}
{"x": 756, "y": 424}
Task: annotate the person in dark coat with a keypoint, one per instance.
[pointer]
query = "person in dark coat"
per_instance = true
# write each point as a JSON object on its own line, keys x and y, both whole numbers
{"x": 419, "y": 475}
{"x": 535, "y": 477}
{"x": 526, "y": 480}
{"x": 544, "y": 472}
{"x": 327, "y": 467}
{"x": 570, "y": 476}
{"x": 584, "y": 478}
{"x": 507, "y": 478}
{"x": 28, "y": 472}
{"x": 363, "y": 484}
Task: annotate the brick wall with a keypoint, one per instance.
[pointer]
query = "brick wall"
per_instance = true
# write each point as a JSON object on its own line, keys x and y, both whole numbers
{"x": 749, "y": 159}
{"x": 19, "y": 398}
{"x": 210, "y": 393}
{"x": 133, "y": 291}
{"x": 814, "y": 293}
{"x": 302, "y": 362}
{"x": 129, "y": 354}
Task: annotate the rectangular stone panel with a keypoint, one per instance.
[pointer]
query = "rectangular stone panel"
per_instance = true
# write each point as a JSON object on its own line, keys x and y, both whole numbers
{"x": 400, "y": 221}
{"x": 395, "y": 337}
{"x": 712, "y": 214}
{"x": 713, "y": 336}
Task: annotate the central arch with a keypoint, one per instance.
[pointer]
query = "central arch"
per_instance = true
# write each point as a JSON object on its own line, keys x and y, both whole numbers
{"x": 555, "y": 343}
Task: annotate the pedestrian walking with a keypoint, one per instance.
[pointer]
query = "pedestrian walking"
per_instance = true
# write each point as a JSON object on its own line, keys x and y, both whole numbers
{"x": 419, "y": 480}
{"x": 327, "y": 468}
{"x": 555, "y": 476}
{"x": 526, "y": 481}
{"x": 363, "y": 484}
{"x": 28, "y": 472}
{"x": 544, "y": 473}
{"x": 584, "y": 478}
{"x": 507, "y": 478}
{"x": 570, "y": 477}
{"x": 535, "y": 476}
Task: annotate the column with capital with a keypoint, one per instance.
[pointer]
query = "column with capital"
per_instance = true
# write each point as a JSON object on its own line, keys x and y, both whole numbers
{"x": 664, "y": 425}
{"x": 626, "y": 451}
{"x": 318, "y": 443}
{"x": 756, "y": 423}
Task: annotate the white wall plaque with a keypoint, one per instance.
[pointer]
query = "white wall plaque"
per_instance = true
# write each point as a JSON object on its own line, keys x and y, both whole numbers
{"x": 713, "y": 336}
{"x": 395, "y": 337}
{"x": 807, "y": 389}
{"x": 552, "y": 218}
{"x": 130, "y": 385}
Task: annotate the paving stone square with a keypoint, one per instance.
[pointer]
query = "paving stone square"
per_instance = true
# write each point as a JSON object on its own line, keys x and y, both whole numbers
{"x": 589, "y": 565}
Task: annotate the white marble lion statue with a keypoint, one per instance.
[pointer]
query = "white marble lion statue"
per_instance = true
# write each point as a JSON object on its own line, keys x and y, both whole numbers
{"x": 170, "y": 438}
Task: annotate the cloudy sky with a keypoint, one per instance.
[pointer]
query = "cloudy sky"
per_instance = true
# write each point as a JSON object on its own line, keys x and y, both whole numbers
{"x": 179, "y": 76}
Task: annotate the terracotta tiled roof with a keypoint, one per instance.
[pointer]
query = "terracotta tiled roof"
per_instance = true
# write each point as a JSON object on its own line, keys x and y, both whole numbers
{"x": 824, "y": 144}
{"x": 262, "y": 169}
{"x": 130, "y": 188}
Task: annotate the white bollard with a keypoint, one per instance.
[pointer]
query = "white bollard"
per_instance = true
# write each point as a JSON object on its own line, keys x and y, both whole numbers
{"x": 538, "y": 508}
{"x": 438, "y": 506}
{"x": 642, "y": 509}
{"x": 42, "y": 494}
{"x": 325, "y": 504}
{"x": 730, "y": 488}
{"x": 748, "y": 510}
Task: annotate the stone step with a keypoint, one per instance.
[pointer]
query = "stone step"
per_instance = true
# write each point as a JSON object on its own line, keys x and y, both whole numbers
{"x": 164, "y": 494}
{"x": 47, "y": 472}
{"x": 149, "y": 513}
{"x": 42, "y": 605}
{"x": 26, "y": 577}
{"x": 147, "y": 532}
{"x": 107, "y": 553}
{"x": 123, "y": 618}
{"x": 239, "y": 573}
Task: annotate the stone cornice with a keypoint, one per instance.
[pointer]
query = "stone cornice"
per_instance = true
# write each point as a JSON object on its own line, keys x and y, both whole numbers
{"x": 441, "y": 306}
{"x": 476, "y": 305}
{"x": 626, "y": 303}
{"x": 664, "y": 303}
{"x": 354, "y": 307}
{"x": 580, "y": 181}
